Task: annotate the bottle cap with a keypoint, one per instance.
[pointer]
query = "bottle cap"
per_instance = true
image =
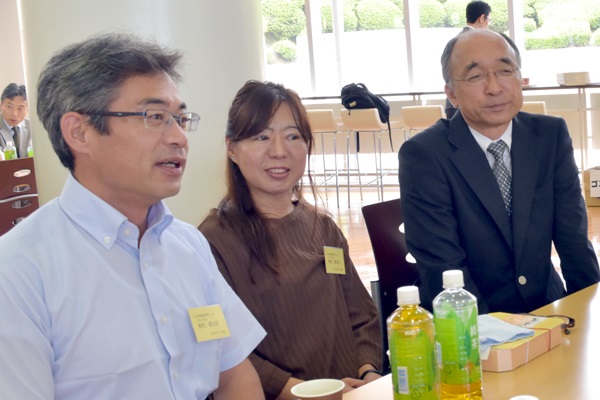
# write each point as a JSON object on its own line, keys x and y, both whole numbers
{"x": 453, "y": 279}
{"x": 408, "y": 295}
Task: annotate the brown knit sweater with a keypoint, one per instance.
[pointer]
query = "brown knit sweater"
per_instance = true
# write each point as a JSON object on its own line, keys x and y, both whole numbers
{"x": 318, "y": 325}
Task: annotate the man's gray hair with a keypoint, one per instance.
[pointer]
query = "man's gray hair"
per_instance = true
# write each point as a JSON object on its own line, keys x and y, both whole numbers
{"x": 447, "y": 53}
{"x": 85, "y": 77}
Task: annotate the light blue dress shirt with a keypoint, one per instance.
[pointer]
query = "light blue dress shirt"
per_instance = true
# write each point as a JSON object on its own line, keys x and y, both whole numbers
{"x": 86, "y": 314}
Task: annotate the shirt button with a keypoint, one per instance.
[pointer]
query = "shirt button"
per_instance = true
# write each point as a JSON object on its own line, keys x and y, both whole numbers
{"x": 107, "y": 239}
{"x": 146, "y": 266}
{"x": 522, "y": 280}
{"x": 175, "y": 375}
{"x": 126, "y": 231}
{"x": 163, "y": 320}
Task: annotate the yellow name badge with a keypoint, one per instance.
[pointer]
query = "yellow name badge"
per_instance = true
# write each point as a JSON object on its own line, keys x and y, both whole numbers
{"x": 208, "y": 323}
{"x": 334, "y": 260}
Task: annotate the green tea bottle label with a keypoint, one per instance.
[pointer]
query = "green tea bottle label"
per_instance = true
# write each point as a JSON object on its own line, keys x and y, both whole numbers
{"x": 457, "y": 339}
{"x": 411, "y": 337}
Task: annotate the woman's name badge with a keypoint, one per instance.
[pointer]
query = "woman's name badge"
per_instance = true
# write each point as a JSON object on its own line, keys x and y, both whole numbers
{"x": 334, "y": 260}
{"x": 208, "y": 323}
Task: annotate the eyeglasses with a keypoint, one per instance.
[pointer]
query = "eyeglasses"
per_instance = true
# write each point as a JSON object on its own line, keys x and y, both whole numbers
{"x": 156, "y": 119}
{"x": 565, "y": 326}
{"x": 503, "y": 75}
{"x": 568, "y": 322}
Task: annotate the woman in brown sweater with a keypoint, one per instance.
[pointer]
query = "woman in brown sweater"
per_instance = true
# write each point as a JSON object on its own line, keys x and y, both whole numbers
{"x": 269, "y": 244}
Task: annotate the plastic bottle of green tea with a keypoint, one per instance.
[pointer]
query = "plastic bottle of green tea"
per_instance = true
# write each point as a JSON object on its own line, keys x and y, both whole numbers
{"x": 411, "y": 337}
{"x": 10, "y": 152}
{"x": 457, "y": 337}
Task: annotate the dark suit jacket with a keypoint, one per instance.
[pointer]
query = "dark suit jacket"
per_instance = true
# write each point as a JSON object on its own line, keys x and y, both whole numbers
{"x": 25, "y": 136}
{"x": 455, "y": 217}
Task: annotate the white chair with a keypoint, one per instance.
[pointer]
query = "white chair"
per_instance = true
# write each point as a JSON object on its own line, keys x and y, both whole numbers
{"x": 417, "y": 118}
{"x": 323, "y": 122}
{"x": 534, "y": 107}
{"x": 366, "y": 120}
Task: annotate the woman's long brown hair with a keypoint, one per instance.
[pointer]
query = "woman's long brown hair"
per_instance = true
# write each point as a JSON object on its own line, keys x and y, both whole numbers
{"x": 252, "y": 110}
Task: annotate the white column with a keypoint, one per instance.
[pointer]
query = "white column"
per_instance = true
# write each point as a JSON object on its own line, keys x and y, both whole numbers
{"x": 222, "y": 45}
{"x": 11, "y": 65}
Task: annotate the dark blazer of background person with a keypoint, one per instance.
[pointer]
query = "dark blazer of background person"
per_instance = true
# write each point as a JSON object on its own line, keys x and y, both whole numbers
{"x": 6, "y": 134}
{"x": 455, "y": 217}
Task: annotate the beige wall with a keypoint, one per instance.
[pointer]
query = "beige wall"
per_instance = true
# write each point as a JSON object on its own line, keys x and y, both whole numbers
{"x": 222, "y": 43}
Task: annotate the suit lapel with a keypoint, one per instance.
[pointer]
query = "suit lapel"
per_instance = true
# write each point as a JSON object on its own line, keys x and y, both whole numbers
{"x": 25, "y": 134}
{"x": 4, "y": 132}
{"x": 472, "y": 164}
{"x": 526, "y": 156}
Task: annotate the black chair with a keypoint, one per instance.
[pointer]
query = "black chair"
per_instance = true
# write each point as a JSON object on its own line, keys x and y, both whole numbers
{"x": 395, "y": 266}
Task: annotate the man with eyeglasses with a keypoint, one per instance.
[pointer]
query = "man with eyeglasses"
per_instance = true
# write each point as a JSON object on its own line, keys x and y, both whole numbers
{"x": 493, "y": 189}
{"x": 103, "y": 293}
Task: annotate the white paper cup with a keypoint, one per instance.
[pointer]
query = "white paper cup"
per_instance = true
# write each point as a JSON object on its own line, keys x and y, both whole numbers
{"x": 319, "y": 389}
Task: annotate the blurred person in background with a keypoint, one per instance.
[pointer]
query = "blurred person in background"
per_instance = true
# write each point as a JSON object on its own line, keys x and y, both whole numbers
{"x": 14, "y": 127}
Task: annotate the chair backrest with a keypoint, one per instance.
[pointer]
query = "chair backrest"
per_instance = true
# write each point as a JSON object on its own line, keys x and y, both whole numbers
{"x": 361, "y": 120}
{"x": 322, "y": 121}
{"x": 18, "y": 192}
{"x": 395, "y": 265}
{"x": 421, "y": 117}
{"x": 534, "y": 107}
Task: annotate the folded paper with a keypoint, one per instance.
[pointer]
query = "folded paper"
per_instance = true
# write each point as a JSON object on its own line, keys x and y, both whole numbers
{"x": 510, "y": 355}
{"x": 494, "y": 331}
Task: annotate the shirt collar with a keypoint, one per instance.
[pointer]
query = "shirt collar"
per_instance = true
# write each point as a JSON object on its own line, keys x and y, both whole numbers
{"x": 484, "y": 141}
{"x": 102, "y": 221}
{"x": 10, "y": 126}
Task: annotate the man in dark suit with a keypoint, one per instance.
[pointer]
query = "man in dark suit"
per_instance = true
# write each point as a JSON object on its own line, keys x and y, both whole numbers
{"x": 494, "y": 216}
{"x": 14, "y": 127}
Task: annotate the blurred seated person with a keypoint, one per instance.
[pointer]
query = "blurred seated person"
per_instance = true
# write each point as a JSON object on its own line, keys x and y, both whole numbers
{"x": 270, "y": 243}
{"x": 14, "y": 127}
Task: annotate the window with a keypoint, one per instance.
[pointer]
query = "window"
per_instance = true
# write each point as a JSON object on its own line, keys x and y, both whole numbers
{"x": 559, "y": 36}
{"x": 394, "y": 46}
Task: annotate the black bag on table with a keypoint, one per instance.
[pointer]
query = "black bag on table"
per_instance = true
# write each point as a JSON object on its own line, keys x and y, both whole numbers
{"x": 357, "y": 96}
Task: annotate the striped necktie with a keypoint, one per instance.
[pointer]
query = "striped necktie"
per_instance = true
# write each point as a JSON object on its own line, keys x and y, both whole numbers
{"x": 501, "y": 172}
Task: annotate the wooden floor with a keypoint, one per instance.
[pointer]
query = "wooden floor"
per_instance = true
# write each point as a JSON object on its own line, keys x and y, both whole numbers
{"x": 349, "y": 219}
